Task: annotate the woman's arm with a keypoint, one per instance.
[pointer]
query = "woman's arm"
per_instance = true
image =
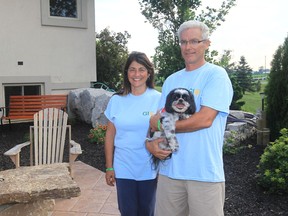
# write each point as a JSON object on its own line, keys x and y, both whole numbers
{"x": 109, "y": 153}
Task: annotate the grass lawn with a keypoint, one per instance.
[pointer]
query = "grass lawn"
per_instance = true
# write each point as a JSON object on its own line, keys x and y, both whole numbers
{"x": 158, "y": 88}
{"x": 253, "y": 102}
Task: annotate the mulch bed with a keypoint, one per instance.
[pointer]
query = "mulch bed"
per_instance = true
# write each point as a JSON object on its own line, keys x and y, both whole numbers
{"x": 243, "y": 196}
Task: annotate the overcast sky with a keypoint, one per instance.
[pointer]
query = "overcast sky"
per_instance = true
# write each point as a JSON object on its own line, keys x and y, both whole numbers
{"x": 253, "y": 28}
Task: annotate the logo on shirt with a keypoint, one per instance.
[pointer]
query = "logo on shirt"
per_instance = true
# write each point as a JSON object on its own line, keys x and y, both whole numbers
{"x": 195, "y": 92}
{"x": 147, "y": 113}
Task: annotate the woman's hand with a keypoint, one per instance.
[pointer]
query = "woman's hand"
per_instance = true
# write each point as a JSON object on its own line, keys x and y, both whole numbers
{"x": 110, "y": 177}
{"x": 154, "y": 121}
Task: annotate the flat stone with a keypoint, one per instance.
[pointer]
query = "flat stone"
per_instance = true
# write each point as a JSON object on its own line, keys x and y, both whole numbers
{"x": 37, "y": 208}
{"x": 33, "y": 183}
{"x": 236, "y": 126}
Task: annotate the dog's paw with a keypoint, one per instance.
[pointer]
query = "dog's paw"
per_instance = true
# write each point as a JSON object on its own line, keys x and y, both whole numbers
{"x": 174, "y": 148}
{"x": 164, "y": 145}
{"x": 173, "y": 143}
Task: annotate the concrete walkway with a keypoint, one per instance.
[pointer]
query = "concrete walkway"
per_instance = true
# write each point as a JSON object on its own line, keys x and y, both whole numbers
{"x": 96, "y": 199}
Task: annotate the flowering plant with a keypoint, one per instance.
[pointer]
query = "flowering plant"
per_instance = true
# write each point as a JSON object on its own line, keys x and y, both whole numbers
{"x": 97, "y": 134}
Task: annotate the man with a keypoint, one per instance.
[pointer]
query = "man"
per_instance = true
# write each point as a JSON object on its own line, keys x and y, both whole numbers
{"x": 192, "y": 181}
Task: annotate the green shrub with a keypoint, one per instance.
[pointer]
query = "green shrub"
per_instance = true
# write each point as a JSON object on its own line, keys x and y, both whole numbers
{"x": 273, "y": 165}
{"x": 232, "y": 150}
{"x": 232, "y": 143}
{"x": 97, "y": 134}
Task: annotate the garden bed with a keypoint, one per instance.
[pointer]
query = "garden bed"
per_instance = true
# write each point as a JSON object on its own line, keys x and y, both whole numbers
{"x": 243, "y": 196}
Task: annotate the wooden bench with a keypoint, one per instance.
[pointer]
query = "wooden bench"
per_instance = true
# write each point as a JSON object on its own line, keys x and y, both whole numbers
{"x": 24, "y": 107}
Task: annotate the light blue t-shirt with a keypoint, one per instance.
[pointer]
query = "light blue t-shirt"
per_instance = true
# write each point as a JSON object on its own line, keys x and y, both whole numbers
{"x": 200, "y": 153}
{"x": 130, "y": 115}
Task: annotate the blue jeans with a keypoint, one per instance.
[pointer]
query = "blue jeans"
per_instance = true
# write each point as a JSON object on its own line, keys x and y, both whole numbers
{"x": 136, "y": 198}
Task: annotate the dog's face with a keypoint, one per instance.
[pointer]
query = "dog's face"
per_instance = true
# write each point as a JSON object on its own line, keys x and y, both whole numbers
{"x": 180, "y": 100}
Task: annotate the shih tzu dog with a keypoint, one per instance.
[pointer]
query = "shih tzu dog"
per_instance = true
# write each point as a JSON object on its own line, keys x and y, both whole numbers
{"x": 179, "y": 105}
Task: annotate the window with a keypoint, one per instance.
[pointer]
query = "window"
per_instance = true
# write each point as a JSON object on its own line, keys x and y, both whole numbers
{"x": 66, "y": 9}
{"x": 66, "y": 13}
{"x": 21, "y": 90}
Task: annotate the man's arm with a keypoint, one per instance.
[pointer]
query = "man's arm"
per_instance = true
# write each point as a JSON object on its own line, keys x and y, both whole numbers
{"x": 199, "y": 120}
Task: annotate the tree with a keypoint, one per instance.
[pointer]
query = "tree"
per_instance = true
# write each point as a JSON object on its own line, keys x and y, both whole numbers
{"x": 244, "y": 76}
{"x": 112, "y": 53}
{"x": 237, "y": 95}
{"x": 166, "y": 16}
{"x": 276, "y": 92}
{"x": 225, "y": 62}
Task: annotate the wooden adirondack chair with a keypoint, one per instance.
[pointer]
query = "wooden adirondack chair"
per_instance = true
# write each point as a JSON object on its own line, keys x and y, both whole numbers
{"x": 47, "y": 140}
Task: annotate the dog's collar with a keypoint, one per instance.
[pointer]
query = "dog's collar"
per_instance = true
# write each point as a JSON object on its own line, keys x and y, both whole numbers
{"x": 162, "y": 110}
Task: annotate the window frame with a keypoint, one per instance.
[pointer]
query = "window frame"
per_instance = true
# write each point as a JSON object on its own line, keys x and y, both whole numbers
{"x": 22, "y": 85}
{"x": 80, "y": 22}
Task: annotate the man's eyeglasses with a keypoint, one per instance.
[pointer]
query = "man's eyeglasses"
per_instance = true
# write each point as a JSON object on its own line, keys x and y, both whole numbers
{"x": 191, "y": 42}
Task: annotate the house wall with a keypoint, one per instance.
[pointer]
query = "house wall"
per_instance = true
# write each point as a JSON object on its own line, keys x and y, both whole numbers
{"x": 59, "y": 58}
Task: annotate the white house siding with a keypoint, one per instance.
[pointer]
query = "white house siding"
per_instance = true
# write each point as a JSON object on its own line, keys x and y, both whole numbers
{"x": 59, "y": 58}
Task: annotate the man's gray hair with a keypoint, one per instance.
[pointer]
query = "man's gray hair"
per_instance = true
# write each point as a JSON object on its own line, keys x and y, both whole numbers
{"x": 194, "y": 24}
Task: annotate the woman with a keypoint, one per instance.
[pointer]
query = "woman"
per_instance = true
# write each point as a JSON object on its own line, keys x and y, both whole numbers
{"x": 127, "y": 160}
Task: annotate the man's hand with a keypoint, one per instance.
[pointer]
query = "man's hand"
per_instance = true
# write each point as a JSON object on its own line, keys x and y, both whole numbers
{"x": 153, "y": 148}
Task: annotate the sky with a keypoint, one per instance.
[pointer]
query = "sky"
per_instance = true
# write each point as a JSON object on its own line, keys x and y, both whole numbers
{"x": 253, "y": 28}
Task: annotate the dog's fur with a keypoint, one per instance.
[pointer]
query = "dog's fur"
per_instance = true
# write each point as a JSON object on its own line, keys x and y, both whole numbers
{"x": 179, "y": 105}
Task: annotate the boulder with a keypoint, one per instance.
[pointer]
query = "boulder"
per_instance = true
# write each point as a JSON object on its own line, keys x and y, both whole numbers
{"x": 88, "y": 105}
{"x": 240, "y": 126}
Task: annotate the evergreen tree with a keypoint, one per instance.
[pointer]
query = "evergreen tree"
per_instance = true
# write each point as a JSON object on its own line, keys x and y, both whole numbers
{"x": 237, "y": 95}
{"x": 225, "y": 62}
{"x": 276, "y": 92}
{"x": 244, "y": 76}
